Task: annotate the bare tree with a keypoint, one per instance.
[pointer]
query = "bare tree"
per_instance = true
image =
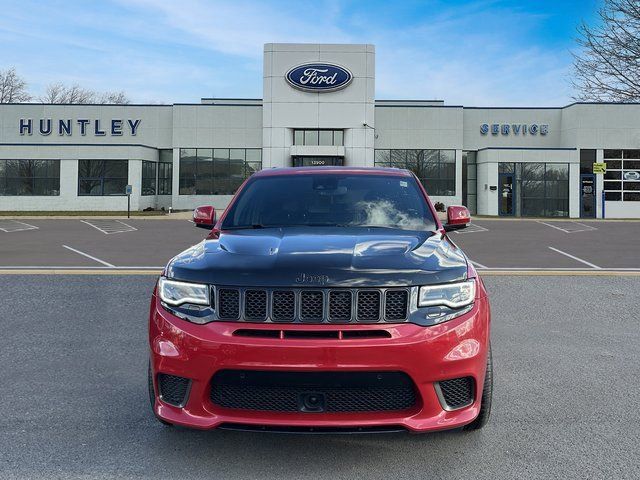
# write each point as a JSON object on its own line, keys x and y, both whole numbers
{"x": 13, "y": 89}
{"x": 608, "y": 66}
{"x": 117, "y": 98}
{"x": 75, "y": 94}
{"x": 60, "y": 93}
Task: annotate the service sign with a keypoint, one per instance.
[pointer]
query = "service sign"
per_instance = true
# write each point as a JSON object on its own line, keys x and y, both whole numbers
{"x": 319, "y": 77}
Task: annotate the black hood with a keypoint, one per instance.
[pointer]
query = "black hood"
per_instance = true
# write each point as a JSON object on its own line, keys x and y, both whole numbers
{"x": 312, "y": 256}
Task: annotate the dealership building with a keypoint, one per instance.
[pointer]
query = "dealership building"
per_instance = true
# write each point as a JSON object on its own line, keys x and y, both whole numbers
{"x": 319, "y": 108}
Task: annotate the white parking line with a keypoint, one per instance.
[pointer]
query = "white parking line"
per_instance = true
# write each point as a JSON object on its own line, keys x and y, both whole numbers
{"x": 576, "y": 258}
{"x": 107, "y": 264}
{"x": 479, "y": 265}
{"x": 9, "y": 226}
{"x": 109, "y": 227}
{"x": 585, "y": 228}
{"x": 66, "y": 267}
{"x": 472, "y": 228}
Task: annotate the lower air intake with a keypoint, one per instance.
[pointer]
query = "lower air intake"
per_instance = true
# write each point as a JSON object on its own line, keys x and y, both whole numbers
{"x": 173, "y": 390}
{"x": 457, "y": 393}
{"x": 312, "y": 392}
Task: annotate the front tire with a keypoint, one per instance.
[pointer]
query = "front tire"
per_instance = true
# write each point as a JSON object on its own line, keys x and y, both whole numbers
{"x": 152, "y": 397}
{"x": 487, "y": 395}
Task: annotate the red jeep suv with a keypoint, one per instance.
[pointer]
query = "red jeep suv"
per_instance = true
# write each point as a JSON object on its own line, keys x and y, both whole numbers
{"x": 324, "y": 299}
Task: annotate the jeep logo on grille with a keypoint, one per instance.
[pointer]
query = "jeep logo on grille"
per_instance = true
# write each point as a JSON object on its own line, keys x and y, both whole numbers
{"x": 312, "y": 279}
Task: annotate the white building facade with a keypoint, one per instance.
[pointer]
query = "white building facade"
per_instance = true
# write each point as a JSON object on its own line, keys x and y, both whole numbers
{"x": 319, "y": 108}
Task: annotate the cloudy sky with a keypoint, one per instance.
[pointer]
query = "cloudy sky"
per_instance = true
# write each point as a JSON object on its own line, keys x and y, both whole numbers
{"x": 466, "y": 52}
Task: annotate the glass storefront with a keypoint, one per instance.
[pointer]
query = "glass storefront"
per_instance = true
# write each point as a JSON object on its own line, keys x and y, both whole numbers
{"x": 29, "y": 177}
{"x": 148, "y": 178}
{"x": 533, "y": 189}
{"x": 102, "y": 177}
{"x": 216, "y": 171}
{"x": 436, "y": 169}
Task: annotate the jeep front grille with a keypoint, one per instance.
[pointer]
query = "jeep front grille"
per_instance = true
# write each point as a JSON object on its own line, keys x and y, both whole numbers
{"x": 313, "y": 305}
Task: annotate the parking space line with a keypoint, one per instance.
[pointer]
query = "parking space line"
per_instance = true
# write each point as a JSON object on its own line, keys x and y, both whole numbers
{"x": 479, "y": 265}
{"x": 9, "y": 226}
{"x": 577, "y": 259}
{"x": 472, "y": 228}
{"x": 587, "y": 272}
{"x": 107, "y": 264}
{"x": 587, "y": 228}
{"x": 78, "y": 271}
{"x": 109, "y": 227}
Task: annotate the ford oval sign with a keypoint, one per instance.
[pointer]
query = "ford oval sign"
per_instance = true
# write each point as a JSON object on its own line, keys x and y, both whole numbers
{"x": 319, "y": 77}
{"x": 631, "y": 175}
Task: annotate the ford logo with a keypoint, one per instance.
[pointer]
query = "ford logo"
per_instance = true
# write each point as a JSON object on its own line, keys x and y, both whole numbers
{"x": 632, "y": 175}
{"x": 319, "y": 77}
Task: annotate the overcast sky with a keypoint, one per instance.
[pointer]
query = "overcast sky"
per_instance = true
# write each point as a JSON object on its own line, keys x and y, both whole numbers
{"x": 466, "y": 52}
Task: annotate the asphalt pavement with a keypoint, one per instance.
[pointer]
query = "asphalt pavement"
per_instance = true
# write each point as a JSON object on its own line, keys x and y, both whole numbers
{"x": 74, "y": 401}
{"x": 492, "y": 244}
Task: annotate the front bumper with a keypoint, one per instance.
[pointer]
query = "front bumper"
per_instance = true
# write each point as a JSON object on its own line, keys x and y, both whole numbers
{"x": 454, "y": 349}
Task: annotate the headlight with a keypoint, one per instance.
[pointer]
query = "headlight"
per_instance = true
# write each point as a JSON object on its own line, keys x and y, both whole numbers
{"x": 452, "y": 295}
{"x": 176, "y": 293}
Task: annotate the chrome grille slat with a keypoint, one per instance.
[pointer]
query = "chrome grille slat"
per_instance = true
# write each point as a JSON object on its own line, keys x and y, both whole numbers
{"x": 312, "y": 305}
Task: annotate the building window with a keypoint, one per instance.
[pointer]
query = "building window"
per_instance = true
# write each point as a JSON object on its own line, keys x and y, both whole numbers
{"x": 165, "y": 172}
{"x": 102, "y": 177}
{"x": 148, "y": 178}
{"x": 436, "y": 169}
{"x": 216, "y": 171}
{"x": 318, "y": 137}
{"x": 30, "y": 177}
{"x": 469, "y": 180}
{"x": 587, "y": 159}
{"x": 541, "y": 190}
{"x": 622, "y": 180}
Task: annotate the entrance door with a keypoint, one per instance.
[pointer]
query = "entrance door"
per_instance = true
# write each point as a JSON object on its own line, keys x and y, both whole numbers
{"x": 506, "y": 194}
{"x": 587, "y": 196}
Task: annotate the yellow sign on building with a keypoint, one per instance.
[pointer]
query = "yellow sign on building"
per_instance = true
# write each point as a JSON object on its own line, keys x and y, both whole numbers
{"x": 599, "y": 167}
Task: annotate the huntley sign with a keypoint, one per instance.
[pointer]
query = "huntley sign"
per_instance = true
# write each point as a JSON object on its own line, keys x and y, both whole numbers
{"x": 67, "y": 127}
{"x": 319, "y": 77}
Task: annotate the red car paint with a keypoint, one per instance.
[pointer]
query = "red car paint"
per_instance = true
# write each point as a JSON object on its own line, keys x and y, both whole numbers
{"x": 456, "y": 348}
{"x": 452, "y": 349}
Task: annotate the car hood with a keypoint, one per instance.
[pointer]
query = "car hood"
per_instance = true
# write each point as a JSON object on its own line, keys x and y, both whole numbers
{"x": 322, "y": 257}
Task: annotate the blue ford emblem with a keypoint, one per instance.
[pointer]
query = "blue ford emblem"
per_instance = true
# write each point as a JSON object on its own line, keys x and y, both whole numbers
{"x": 631, "y": 175}
{"x": 319, "y": 77}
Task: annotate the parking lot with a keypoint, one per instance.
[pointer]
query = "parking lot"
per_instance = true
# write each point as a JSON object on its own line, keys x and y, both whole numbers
{"x": 93, "y": 243}
{"x": 564, "y": 333}
{"x": 493, "y": 245}
{"x": 74, "y": 401}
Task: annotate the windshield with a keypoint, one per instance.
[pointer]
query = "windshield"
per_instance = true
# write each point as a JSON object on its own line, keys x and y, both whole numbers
{"x": 331, "y": 200}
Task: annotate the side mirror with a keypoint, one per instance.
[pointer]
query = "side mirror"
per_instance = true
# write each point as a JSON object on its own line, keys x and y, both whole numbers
{"x": 457, "y": 217}
{"x": 204, "y": 217}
